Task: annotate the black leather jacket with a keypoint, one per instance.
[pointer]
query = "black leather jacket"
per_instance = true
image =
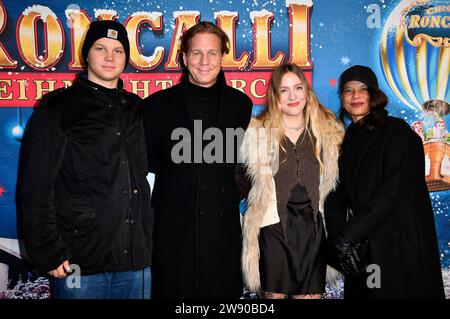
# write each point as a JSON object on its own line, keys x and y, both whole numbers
{"x": 82, "y": 188}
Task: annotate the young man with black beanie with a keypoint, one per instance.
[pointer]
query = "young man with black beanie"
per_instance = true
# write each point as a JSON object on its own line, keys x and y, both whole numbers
{"x": 82, "y": 188}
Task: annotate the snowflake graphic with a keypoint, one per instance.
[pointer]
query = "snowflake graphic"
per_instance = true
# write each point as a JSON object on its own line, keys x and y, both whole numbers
{"x": 345, "y": 60}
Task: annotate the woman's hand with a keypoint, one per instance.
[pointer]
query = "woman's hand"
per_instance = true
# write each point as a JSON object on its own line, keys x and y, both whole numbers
{"x": 345, "y": 255}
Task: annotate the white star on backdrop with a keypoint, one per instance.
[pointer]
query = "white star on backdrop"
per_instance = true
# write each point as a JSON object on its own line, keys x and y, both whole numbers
{"x": 345, "y": 60}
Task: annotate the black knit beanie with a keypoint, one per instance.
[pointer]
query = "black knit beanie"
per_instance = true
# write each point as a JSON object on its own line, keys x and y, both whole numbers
{"x": 105, "y": 29}
{"x": 359, "y": 73}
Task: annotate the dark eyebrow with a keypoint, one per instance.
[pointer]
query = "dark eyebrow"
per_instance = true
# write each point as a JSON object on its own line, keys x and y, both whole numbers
{"x": 286, "y": 87}
{"x": 104, "y": 46}
{"x": 362, "y": 85}
{"x": 213, "y": 50}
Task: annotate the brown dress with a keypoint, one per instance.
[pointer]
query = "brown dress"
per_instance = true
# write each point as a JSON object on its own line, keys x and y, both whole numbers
{"x": 291, "y": 251}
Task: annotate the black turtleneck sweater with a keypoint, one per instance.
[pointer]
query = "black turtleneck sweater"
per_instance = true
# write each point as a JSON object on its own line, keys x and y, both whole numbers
{"x": 203, "y": 103}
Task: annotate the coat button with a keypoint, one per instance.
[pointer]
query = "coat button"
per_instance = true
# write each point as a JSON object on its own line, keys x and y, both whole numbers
{"x": 221, "y": 214}
{"x": 200, "y": 212}
{"x": 125, "y": 192}
{"x": 125, "y": 251}
{"x": 223, "y": 189}
{"x": 118, "y": 133}
{"x": 135, "y": 191}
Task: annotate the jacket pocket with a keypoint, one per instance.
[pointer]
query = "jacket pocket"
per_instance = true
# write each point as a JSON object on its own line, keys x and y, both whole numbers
{"x": 90, "y": 153}
{"x": 78, "y": 216}
{"x": 89, "y": 158}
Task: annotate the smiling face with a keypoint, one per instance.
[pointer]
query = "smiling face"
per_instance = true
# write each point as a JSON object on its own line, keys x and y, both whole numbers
{"x": 440, "y": 125}
{"x": 292, "y": 98}
{"x": 203, "y": 59}
{"x": 106, "y": 61}
{"x": 417, "y": 127}
{"x": 356, "y": 99}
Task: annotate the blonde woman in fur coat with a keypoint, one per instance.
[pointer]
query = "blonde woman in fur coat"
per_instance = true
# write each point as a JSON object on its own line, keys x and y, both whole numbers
{"x": 290, "y": 155}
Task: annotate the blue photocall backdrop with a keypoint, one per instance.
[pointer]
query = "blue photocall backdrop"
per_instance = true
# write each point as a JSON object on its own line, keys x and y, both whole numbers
{"x": 340, "y": 34}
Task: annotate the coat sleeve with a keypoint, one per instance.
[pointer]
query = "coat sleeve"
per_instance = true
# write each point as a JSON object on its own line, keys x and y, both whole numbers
{"x": 403, "y": 166}
{"x": 335, "y": 208}
{"x": 248, "y": 111}
{"x": 41, "y": 156}
{"x": 148, "y": 135}
{"x": 242, "y": 181}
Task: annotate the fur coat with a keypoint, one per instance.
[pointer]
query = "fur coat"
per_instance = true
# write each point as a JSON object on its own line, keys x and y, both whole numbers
{"x": 259, "y": 153}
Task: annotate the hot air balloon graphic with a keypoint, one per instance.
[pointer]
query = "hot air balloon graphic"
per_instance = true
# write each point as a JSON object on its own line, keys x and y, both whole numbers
{"x": 415, "y": 59}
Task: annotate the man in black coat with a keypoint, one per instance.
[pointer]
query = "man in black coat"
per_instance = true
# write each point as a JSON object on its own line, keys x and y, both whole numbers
{"x": 191, "y": 131}
{"x": 82, "y": 186}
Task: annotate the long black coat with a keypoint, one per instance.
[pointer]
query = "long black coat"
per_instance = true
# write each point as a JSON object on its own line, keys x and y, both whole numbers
{"x": 197, "y": 234}
{"x": 384, "y": 186}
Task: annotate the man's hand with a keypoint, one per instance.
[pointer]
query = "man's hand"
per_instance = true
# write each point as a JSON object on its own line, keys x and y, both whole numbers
{"x": 61, "y": 271}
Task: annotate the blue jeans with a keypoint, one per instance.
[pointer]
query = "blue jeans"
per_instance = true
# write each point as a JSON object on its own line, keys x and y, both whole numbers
{"x": 107, "y": 285}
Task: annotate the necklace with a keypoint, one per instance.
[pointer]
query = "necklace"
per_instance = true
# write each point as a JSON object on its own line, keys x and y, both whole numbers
{"x": 296, "y": 128}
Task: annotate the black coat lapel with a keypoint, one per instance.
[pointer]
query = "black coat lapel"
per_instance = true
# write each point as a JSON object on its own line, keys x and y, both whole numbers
{"x": 370, "y": 141}
{"x": 355, "y": 169}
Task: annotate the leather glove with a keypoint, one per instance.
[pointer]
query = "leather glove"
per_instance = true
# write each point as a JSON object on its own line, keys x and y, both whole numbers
{"x": 344, "y": 254}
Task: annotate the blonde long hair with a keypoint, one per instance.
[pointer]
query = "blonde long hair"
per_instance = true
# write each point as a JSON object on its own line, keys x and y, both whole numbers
{"x": 318, "y": 119}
